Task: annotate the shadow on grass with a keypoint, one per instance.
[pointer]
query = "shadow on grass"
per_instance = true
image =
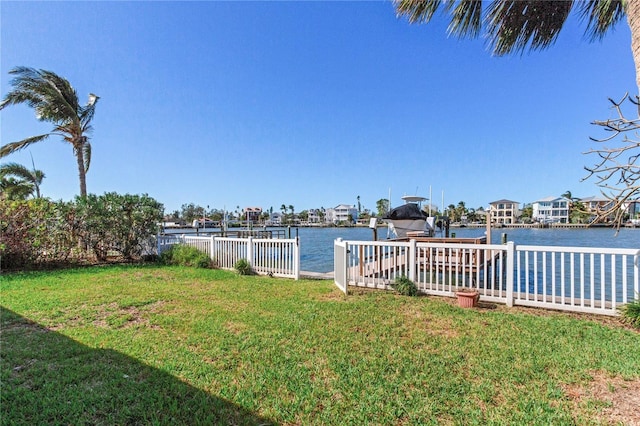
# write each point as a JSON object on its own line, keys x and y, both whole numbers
{"x": 48, "y": 378}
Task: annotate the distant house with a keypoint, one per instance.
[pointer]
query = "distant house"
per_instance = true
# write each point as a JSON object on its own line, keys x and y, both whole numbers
{"x": 342, "y": 213}
{"x": 314, "y": 216}
{"x": 504, "y": 211}
{"x": 594, "y": 205}
{"x": 633, "y": 208}
{"x": 252, "y": 213}
{"x": 275, "y": 219}
{"x": 551, "y": 210}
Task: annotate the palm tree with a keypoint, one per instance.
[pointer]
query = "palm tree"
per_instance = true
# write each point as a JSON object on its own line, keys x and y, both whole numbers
{"x": 292, "y": 217}
{"x": 55, "y": 101}
{"x": 14, "y": 189}
{"x": 519, "y": 25}
{"x": 16, "y": 174}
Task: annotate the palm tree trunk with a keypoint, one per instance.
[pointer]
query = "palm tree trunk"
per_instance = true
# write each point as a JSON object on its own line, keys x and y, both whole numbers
{"x": 81, "y": 173}
{"x": 633, "y": 18}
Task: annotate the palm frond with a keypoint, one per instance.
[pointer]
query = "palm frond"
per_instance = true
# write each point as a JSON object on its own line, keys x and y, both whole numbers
{"x": 15, "y": 169}
{"x": 14, "y": 189}
{"x": 17, "y": 146}
{"x": 601, "y": 16}
{"x": 517, "y": 25}
{"x": 50, "y": 95}
{"x": 417, "y": 11}
{"x": 25, "y": 177}
{"x": 86, "y": 154}
{"x": 87, "y": 112}
{"x": 466, "y": 19}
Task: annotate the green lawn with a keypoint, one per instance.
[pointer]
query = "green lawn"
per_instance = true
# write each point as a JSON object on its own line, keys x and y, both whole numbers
{"x": 174, "y": 345}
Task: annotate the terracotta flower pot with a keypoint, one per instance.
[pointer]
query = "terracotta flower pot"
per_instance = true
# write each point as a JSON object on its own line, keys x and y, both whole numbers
{"x": 467, "y": 298}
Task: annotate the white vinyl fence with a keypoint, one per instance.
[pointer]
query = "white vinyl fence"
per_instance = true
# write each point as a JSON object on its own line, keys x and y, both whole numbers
{"x": 595, "y": 280}
{"x": 276, "y": 257}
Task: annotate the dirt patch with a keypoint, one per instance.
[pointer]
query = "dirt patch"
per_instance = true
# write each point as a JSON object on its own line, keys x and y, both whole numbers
{"x": 617, "y": 400}
{"x": 235, "y": 328}
{"x": 115, "y": 316}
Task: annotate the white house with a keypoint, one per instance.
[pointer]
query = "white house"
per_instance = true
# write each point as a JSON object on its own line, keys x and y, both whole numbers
{"x": 551, "y": 210}
{"x": 504, "y": 211}
{"x": 314, "y": 216}
{"x": 341, "y": 213}
{"x": 275, "y": 219}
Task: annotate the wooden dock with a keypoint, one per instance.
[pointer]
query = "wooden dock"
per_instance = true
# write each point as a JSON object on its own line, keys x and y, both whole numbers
{"x": 384, "y": 264}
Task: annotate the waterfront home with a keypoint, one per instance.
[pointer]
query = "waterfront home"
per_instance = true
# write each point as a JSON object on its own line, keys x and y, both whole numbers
{"x": 314, "y": 216}
{"x": 504, "y": 211}
{"x": 252, "y": 214}
{"x": 341, "y": 213}
{"x": 633, "y": 208}
{"x": 275, "y": 219}
{"x": 594, "y": 205}
{"x": 551, "y": 210}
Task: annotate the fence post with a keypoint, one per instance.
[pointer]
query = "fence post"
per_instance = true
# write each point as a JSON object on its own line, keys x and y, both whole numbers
{"x": 411, "y": 261}
{"x": 296, "y": 259}
{"x": 511, "y": 254}
{"x": 212, "y": 245}
{"x": 636, "y": 275}
{"x": 250, "y": 251}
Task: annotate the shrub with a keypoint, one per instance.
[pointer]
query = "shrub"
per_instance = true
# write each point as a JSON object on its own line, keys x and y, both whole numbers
{"x": 630, "y": 313}
{"x": 243, "y": 267}
{"x": 182, "y": 254}
{"x": 37, "y": 232}
{"x": 119, "y": 223}
{"x": 40, "y": 232}
{"x": 405, "y": 286}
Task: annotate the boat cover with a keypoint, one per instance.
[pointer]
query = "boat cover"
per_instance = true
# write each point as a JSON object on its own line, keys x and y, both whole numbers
{"x": 406, "y": 211}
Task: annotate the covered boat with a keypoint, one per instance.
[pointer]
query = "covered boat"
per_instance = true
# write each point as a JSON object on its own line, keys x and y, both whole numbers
{"x": 409, "y": 220}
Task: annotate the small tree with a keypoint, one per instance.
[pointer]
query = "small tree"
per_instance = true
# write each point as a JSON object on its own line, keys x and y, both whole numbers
{"x": 382, "y": 205}
{"x": 120, "y": 223}
{"x": 17, "y": 174}
{"x": 617, "y": 170}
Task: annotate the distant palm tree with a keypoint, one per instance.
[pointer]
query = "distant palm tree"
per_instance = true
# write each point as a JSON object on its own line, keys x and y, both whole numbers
{"x": 14, "y": 189}
{"x": 18, "y": 180}
{"x": 55, "y": 101}
{"x": 518, "y": 25}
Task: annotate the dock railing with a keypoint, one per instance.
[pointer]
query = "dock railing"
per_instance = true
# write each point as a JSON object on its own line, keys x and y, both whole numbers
{"x": 593, "y": 280}
{"x": 277, "y": 257}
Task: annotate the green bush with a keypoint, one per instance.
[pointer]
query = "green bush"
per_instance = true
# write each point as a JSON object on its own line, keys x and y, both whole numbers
{"x": 37, "y": 232}
{"x": 405, "y": 286}
{"x": 243, "y": 267}
{"x": 118, "y": 223}
{"x": 181, "y": 254}
{"x": 630, "y": 313}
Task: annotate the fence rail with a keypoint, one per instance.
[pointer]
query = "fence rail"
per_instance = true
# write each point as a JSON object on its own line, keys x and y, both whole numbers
{"x": 594, "y": 280}
{"x": 276, "y": 257}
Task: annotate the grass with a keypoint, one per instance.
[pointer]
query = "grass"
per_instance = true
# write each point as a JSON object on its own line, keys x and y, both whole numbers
{"x": 175, "y": 345}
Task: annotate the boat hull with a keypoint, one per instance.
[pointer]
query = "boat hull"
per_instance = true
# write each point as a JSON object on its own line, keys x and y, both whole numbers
{"x": 400, "y": 227}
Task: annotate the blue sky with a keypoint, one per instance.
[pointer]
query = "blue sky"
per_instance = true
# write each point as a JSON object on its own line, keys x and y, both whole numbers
{"x": 311, "y": 104}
